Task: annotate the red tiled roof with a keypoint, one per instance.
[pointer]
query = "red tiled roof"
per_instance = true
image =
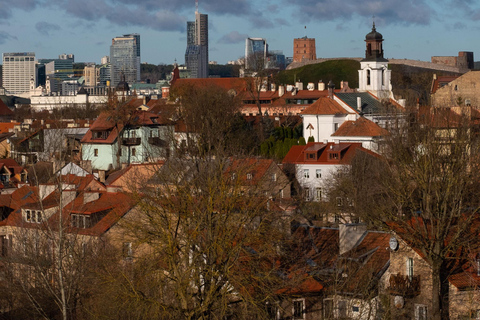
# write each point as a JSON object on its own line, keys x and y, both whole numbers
{"x": 440, "y": 81}
{"x": 4, "y": 110}
{"x": 361, "y": 127}
{"x": 325, "y": 106}
{"x": 346, "y": 151}
{"x": 254, "y": 166}
{"x": 5, "y": 127}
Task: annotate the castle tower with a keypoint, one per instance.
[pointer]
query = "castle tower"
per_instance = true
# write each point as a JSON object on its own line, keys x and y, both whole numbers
{"x": 374, "y": 75}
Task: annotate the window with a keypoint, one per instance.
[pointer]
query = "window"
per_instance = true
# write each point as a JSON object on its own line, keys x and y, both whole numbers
{"x": 339, "y": 201}
{"x": 127, "y": 250}
{"x": 328, "y": 309}
{"x": 318, "y": 173}
{"x": 368, "y": 77}
{"x": 318, "y": 194}
{"x": 272, "y": 310}
{"x": 6, "y": 245}
{"x": 298, "y": 309}
{"x": 342, "y": 309}
{"x": 80, "y": 221}
{"x": 306, "y": 173}
{"x": 274, "y": 177}
{"x": 95, "y": 152}
{"x": 249, "y": 176}
{"x": 420, "y": 312}
{"x": 335, "y": 127}
{"x": 307, "y": 194}
{"x": 33, "y": 216}
{"x": 410, "y": 268}
{"x": 134, "y": 152}
{"x": 234, "y": 175}
{"x": 355, "y": 309}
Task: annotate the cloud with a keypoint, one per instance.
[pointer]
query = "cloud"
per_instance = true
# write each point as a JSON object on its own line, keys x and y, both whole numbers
{"x": 261, "y": 22}
{"x": 233, "y": 37}
{"x": 459, "y": 26}
{"x": 4, "y": 37}
{"x": 45, "y": 27}
{"x": 416, "y": 12}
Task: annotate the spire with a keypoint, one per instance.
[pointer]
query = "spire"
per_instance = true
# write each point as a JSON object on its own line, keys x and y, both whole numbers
{"x": 196, "y": 5}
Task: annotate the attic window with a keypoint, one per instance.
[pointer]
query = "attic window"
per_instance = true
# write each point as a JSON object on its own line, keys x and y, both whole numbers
{"x": 80, "y": 221}
{"x": 311, "y": 156}
{"x": 333, "y": 156}
{"x": 100, "y": 135}
{"x": 33, "y": 216}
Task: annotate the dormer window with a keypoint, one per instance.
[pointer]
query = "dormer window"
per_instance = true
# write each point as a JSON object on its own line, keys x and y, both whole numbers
{"x": 102, "y": 135}
{"x": 33, "y": 216}
{"x": 311, "y": 156}
{"x": 333, "y": 156}
{"x": 80, "y": 221}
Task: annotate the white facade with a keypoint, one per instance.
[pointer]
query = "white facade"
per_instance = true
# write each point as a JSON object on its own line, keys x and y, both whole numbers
{"x": 374, "y": 77}
{"x": 18, "y": 69}
{"x": 314, "y": 178}
{"x": 321, "y": 127}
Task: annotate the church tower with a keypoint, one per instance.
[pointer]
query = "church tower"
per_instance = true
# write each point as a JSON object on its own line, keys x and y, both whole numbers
{"x": 374, "y": 75}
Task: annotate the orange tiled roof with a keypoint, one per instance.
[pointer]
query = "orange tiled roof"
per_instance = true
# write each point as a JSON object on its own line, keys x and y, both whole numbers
{"x": 5, "y": 127}
{"x": 362, "y": 127}
{"x": 296, "y": 154}
{"x": 325, "y": 106}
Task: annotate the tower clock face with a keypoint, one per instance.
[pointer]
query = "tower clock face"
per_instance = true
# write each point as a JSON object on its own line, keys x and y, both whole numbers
{"x": 393, "y": 243}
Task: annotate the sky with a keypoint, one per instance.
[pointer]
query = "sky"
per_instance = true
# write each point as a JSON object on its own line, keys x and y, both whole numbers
{"x": 412, "y": 29}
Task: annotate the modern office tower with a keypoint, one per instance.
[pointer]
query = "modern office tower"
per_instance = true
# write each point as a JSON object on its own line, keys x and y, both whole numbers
{"x": 304, "y": 49}
{"x": 275, "y": 60}
{"x": 18, "y": 70}
{"x": 58, "y": 69}
{"x": 125, "y": 59}
{"x": 196, "y": 55}
{"x": 104, "y": 73}
{"x": 256, "y": 50}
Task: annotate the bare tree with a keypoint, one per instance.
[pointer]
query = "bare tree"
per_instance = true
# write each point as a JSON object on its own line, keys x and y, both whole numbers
{"x": 426, "y": 189}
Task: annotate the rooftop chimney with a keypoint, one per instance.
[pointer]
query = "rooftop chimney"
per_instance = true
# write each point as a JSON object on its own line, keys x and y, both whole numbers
{"x": 331, "y": 88}
{"x": 321, "y": 86}
{"x": 281, "y": 91}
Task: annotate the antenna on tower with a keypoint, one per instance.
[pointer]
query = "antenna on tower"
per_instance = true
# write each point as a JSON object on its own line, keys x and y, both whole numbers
{"x": 196, "y": 5}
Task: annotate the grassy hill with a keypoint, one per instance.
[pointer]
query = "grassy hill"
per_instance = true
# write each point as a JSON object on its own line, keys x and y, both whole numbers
{"x": 335, "y": 70}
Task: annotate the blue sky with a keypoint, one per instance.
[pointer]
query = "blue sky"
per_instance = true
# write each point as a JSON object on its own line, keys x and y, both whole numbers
{"x": 412, "y": 29}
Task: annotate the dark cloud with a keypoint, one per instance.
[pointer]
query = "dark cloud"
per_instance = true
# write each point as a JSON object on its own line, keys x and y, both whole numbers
{"x": 233, "y": 37}
{"x": 4, "y": 37}
{"x": 282, "y": 22}
{"x": 6, "y": 7}
{"x": 392, "y": 11}
{"x": 261, "y": 22}
{"x": 45, "y": 27}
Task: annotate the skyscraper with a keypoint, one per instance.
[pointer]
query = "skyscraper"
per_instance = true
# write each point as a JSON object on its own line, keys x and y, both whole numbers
{"x": 18, "y": 69}
{"x": 256, "y": 50}
{"x": 125, "y": 58}
{"x": 196, "y": 55}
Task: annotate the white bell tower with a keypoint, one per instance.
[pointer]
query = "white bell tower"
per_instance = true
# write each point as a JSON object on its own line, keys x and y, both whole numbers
{"x": 374, "y": 75}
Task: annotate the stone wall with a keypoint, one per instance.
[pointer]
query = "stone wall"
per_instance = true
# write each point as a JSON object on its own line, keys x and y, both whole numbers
{"x": 459, "y": 91}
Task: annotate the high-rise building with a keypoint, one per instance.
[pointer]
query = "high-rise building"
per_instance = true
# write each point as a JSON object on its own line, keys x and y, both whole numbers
{"x": 304, "y": 49}
{"x": 105, "y": 60}
{"x": 18, "y": 70}
{"x": 256, "y": 50}
{"x": 196, "y": 55}
{"x": 125, "y": 59}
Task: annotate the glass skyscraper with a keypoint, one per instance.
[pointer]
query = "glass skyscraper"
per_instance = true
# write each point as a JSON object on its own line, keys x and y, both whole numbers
{"x": 125, "y": 59}
{"x": 196, "y": 55}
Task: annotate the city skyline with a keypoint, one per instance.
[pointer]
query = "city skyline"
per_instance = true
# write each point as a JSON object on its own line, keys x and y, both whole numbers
{"x": 412, "y": 29}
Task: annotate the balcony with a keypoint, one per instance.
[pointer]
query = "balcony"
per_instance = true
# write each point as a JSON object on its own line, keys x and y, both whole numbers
{"x": 405, "y": 286}
{"x": 131, "y": 141}
{"x": 156, "y": 141}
